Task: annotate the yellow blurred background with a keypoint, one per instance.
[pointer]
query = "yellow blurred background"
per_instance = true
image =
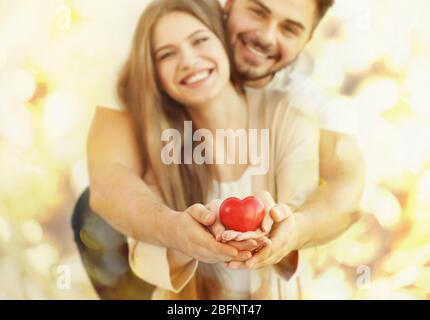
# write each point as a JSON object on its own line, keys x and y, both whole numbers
{"x": 59, "y": 60}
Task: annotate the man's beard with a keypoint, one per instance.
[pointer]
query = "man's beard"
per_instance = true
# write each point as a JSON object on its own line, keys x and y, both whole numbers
{"x": 249, "y": 72}
{"x": 251, "y": 75}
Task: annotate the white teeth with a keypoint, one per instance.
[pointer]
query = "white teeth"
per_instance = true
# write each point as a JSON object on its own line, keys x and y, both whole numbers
{"x": 257, "y": 53}
{"x": 198, "y": 77}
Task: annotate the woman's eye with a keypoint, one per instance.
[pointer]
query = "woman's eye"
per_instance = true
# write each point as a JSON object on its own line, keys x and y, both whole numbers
{"x": 166, "y": 55}
{"x": 200, "y": 40}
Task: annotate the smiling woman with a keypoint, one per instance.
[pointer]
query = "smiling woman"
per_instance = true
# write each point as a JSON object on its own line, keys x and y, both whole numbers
{"x": 192, "y": 63}
{"x": 169, "y": 72}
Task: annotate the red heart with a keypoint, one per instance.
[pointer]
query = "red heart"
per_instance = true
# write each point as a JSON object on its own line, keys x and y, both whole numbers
{"x": 241, "y": 215}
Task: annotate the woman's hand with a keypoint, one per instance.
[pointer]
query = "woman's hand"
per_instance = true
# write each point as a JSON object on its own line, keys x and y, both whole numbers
{"x": 190, "y": 235}
{"x": 274, "y": 213}
{"x": 250, "y": 242}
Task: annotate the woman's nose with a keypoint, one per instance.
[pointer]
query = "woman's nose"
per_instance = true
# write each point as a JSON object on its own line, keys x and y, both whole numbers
{"x": 189, "y": 59}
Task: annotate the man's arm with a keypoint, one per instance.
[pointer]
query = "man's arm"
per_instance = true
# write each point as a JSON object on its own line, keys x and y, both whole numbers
{"x": 121, "y": 197}
{"x": 117, "y": 192}
{"x": 334, "y": 206}
{"x": 327, "y": 213}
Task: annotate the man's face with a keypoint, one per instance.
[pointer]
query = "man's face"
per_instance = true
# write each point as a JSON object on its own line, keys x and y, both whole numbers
{"x": 268, "y": 35}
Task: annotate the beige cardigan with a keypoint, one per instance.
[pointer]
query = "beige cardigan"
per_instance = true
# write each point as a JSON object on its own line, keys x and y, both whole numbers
{"x": 292, "y": 176}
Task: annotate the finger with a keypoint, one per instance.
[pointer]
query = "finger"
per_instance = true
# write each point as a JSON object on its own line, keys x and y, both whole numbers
{"x": 201, "y": 214}
{"x": 267, "y": 223}
{"x": 280, "y": 212}
{"x": 265, "y": 262}
{"x": 268, "y": 203}
{"x": 249, "y": 235}
{"x": 229, "y": 235}
{"x": 243, "y": 256}
{"x": 217, "y": 229}
{"x": 214, "y": 206}
{"x": 262, "y": 242}
{"x": 224, "y": 251}
{"x": 259, "y": 257}
{"x": 235, "y": 265}
{"x": 248, "y": 245}
{"x": 271, "y": 259}
{"x": 212, "y": 248}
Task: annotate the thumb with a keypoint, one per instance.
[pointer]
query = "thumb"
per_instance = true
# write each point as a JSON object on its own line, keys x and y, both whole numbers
{"x": 214, "y": 206}
{"x": 201, "y": 214}
{"x": 280, "y": 212}
{"x": 217, "y": 228}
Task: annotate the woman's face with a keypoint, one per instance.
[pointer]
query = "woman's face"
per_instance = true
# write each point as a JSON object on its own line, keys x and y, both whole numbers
{"x": 191, "y": 62}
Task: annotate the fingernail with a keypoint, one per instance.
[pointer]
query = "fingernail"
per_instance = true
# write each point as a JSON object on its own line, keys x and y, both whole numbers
{"x": 208, "y": 217}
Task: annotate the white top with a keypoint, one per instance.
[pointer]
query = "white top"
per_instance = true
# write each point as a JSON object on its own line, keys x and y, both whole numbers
{"x": 307, "y": 96}
{"x": 238, "y": 281}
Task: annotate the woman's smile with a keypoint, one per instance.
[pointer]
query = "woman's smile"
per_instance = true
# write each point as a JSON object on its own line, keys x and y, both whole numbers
{"x": 197, "y": 79}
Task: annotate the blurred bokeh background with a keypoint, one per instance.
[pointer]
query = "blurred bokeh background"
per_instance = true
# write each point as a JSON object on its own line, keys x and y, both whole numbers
{"x": 59, "y": 59}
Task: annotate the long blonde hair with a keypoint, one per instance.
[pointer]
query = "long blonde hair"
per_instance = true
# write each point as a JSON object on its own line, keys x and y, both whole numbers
{"x": 153, "y": 111}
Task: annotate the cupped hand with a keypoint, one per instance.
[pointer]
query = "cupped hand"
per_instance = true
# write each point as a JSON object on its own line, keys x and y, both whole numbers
{"x": 274, "y": 213}
{"x": 248, "y": 242}
{"x": 191, "y": 236}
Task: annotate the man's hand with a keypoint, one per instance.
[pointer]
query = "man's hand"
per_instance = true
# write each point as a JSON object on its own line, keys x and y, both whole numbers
{"x": 286, "y": 236}
{"x": 190, "y": 235}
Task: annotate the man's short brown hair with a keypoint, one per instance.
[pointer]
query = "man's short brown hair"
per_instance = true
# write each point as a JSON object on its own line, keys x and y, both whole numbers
{"x": 322, "y": 8}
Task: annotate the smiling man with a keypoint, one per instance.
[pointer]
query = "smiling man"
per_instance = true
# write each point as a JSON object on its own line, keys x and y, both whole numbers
{"x": 266, "y": 38}
{"x": 268, "y": 35}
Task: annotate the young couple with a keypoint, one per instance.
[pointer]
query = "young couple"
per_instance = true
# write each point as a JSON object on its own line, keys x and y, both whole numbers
{"x": 221, "y": 68}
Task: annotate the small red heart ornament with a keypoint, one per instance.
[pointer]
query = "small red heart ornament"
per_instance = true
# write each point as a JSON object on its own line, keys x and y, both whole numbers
{"x": 241, "y": 215}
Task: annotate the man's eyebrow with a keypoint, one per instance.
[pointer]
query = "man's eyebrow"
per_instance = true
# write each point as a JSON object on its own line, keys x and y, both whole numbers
{"x": 295, "y": 23}
{"x": 288, "y": 21}
{"x": 190, "y": 36}
{"x": 262, "y": 6}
